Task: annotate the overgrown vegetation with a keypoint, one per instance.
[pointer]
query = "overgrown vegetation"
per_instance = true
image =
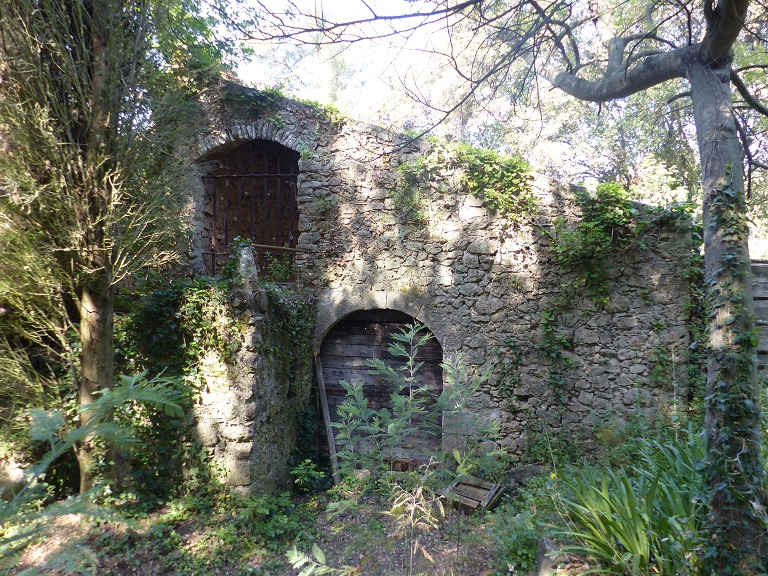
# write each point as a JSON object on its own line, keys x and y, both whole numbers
{"x": 503, "y": 183}
{"x": 636, "y": 511}
{"x": 28, "y": 515}
{"x": 170, "y": 329}
{"x": 610, "y": 224}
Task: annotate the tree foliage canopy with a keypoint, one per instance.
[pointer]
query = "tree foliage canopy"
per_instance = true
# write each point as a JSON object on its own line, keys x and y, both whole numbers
{"x": 94, "y": 102}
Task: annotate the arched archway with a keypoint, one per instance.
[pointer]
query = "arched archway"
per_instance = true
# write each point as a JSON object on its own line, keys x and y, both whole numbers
{"x": 250, "y": 192}
{"x": 366, "y": 334}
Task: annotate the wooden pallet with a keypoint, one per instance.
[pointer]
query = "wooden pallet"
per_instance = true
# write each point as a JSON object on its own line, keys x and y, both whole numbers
{"x": 471, "y": 493}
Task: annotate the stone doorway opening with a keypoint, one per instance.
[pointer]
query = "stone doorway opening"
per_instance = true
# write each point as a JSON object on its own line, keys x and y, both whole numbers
{"x": 250, "y": 193}
{"x": 344, "y": 355}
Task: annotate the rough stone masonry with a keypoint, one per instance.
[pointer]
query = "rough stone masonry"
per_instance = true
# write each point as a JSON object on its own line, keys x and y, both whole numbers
{"x": 477, "y": 280}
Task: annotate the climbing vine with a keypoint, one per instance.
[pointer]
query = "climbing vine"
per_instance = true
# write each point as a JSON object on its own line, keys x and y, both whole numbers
{"x": 610, "y": 224}
{"x": 734, "y": 469}
{"x": 268, "y": 101}
{"x": 507, "y": 370}
{"x": 172, "y": 328}
{"x": 409, "y": 196}
{"x": 553, "y": 343}
{"x": 265, "y": 103}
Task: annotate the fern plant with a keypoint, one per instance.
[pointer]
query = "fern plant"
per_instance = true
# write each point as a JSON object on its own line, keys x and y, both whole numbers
{"x": 25, "y": 518}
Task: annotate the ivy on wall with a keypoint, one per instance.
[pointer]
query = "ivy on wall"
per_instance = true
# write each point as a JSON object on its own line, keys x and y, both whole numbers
{"x": 610, "y": 224}
{"x": 502, "y": 182}
{"x": 268, "y": 102}
{"x": 170, "y": 328}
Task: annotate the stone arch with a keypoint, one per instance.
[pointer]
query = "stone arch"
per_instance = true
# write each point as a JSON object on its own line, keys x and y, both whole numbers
{"x": 341, "y": 302}
{"x": 237, "y": 133}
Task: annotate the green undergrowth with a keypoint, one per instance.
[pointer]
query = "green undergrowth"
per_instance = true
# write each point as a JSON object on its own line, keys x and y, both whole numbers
{"x": 209, "y": 531}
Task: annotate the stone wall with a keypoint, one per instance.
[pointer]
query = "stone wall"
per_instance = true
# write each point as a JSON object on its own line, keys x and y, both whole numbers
{"x": 246, "y": 413}
{"x": 480, "y": 282}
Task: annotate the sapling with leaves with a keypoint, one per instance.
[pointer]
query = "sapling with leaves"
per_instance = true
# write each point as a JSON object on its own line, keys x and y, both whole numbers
{"x": 472, "y": 441}
{"x": 373, "y": 439}
{"x": 356, "y": 430}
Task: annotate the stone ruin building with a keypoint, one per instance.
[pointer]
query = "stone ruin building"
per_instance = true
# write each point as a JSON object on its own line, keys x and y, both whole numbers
{"x": 307, "y": 187}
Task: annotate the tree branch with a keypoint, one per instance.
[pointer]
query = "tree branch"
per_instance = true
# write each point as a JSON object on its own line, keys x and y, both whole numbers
{"x": 622, "y": 83}
{"x": 334, "y": 31}
{"x": 748, "y": 97}
{"x": 724, "y": 24}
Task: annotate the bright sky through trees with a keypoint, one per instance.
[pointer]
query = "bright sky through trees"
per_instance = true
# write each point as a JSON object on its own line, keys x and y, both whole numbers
{"x": 382, "y": 80}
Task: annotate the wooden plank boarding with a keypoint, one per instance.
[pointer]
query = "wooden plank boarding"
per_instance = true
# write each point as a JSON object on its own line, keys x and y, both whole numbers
{"x": 472, "y": 493}
{"x": 327, "y": 420}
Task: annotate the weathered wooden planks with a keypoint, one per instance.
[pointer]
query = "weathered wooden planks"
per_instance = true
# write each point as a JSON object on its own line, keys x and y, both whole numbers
{"x": 472, "y": 493}
{"x": 347, "y": 348}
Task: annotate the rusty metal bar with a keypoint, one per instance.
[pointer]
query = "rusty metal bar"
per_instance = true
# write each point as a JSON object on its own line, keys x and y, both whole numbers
{"x": 214, "y": 240}
{"x": 226, "y": 206}
{"x": 268, "y": 248}
{"x": 240, "y": 193}
{"x": 250, "y": 175}
{"x": 252, "y": 198}
{"x": 264, "y": 211}
{"x": 278, "y": 239}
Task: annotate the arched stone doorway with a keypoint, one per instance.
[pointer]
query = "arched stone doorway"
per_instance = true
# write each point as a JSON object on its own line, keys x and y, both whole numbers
{"x": 366, "y": 334}
{"x": 250, "y": 193}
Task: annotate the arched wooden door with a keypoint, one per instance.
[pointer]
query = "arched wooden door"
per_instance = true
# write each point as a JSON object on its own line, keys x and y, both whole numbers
{"x": 367, "y": 334}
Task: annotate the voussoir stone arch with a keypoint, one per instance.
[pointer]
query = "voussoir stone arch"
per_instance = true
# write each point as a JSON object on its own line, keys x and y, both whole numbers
{"x": 241, "y": 132}
{"x": 339, "y": 303}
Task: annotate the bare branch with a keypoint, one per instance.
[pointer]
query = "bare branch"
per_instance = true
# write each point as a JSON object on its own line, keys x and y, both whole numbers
{"x": 748, "y": 97}
{"x": 336, "y": 32}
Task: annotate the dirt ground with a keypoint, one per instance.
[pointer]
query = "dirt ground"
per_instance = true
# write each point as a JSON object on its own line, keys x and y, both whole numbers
{"x": 362, "y": 541}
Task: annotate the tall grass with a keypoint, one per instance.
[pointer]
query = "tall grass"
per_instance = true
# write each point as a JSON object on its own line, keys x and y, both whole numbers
{"x": 646, "y": 519}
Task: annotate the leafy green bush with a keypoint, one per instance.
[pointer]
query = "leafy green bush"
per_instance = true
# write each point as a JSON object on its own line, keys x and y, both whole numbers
{"x": 516, "y": 537}
{"x": 307, "y": 477}
{"x": 503, "y": 183}
{"x": 518, "y": 524}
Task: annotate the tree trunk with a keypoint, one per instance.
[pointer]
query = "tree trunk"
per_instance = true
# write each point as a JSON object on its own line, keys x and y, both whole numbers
{"x": 97, "y": 299}
{"x": 96, "y": 338}
{"x": 733, "y": 472}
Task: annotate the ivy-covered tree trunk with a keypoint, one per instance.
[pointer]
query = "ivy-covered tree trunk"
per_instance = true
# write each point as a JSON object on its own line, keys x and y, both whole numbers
{"x": 733, "y": 472}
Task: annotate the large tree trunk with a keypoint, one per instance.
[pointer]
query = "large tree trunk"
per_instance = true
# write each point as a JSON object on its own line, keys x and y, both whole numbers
{"x": 97, "y": 298}
{"x": 96, "y": 338}
{"x": 733, "y": 473}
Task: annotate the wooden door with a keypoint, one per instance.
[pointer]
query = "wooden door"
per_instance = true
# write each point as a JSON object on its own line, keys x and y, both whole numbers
{"x": 364, "y": 335}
